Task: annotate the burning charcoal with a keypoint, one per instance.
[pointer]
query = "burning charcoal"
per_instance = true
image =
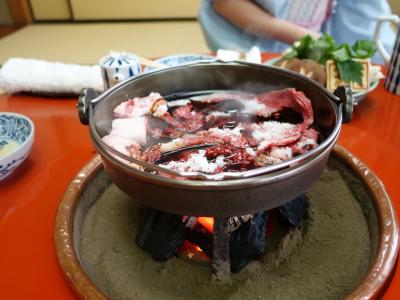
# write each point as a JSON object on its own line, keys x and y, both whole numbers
{"x": 249, "y": 239}
{"x": 161, "y": 235}
{"x": 148, "y": 220}
{"x": 248, "y": 242}
{"x": 235, "y": 222}
{"x": 238, "y": 263}
{"x": 293, "y": 211}
{"x": 202, "y": 238}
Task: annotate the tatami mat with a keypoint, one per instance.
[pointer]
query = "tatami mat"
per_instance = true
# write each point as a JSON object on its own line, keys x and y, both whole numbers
{"x": 85, "y": 43}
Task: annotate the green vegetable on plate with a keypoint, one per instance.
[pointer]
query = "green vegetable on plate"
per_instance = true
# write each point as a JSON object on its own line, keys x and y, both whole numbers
{"x": 325, "y": 48}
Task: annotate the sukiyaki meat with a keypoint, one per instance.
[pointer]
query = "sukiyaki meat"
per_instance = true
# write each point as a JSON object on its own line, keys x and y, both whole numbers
{"x": 213, "y": 133}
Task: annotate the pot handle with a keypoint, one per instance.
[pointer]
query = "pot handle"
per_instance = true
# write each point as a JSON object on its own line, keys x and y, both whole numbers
{"x": 346, "y": 98}
{"x": 84, "y": 101}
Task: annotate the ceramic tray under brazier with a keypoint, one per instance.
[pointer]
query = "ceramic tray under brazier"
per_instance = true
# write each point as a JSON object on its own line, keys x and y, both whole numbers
{"x": 379, "y": 214}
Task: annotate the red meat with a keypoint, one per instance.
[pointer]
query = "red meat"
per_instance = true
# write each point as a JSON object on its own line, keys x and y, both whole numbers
{"x": 277, "y": 100}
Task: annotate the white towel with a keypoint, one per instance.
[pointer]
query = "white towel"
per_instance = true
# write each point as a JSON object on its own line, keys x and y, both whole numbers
{"x": 43, "y": 77}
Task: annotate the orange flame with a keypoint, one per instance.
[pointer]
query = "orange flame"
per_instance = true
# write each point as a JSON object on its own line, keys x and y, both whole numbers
{"x": 207, "y": 223}
{"x": 192, "y": 251}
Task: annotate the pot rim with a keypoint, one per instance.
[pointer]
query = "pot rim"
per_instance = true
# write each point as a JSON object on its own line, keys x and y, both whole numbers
{"x": 104, "y": 149}
{"x": 250, "y": 182}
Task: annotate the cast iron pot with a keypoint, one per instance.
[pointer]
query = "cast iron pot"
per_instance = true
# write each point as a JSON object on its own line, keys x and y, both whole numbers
{"x": 227, "y": 197}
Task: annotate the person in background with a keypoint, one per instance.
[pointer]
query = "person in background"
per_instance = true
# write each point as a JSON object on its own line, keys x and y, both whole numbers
{"x": 273, "y": 25}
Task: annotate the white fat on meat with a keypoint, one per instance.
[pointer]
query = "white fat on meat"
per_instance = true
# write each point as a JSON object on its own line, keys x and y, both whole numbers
{"x": 250, "y": 151}
{"x": 231, "y": 136}
{"x": 226, "y": 132}
{"x": 181, "y": 102}
{"x": 122, "y": 144}
{"x": 282, "y": 153}
{"x": 213, "y": 135}
{"x": 307, "y": 141}
{"x": 131, "y": 128}
{"x": 196, "y": 162}
{"x": 254, "y": 107}
{"x": 272, "y": 133}
{"x": 217, "y": 114}
{"x": 172, "y": 145}
{"x": 138, "y": 107}
{"x": 275, "y": 155}
{"x": 159, "y": 108}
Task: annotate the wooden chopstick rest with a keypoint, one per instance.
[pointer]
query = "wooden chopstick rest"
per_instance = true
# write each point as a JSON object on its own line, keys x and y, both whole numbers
{"x": 334, "y": 81}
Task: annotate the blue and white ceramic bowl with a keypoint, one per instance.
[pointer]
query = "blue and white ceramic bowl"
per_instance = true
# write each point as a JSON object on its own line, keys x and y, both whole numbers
{"x": 16, "y": 139}
{"x": 118, "y": 66}
{"x": 181, "y": 59}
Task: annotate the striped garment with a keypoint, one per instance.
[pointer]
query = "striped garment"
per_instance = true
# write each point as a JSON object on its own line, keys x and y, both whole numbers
{"x": 309, "y": 14}
{"x": 392, "y": 82}
{"x": 346, "y": 20}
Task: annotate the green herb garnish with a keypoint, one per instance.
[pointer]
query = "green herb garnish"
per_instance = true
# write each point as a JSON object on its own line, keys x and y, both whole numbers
{"x": 364, "y": 49}
{"x": 325, "y": 48}
{"x": 350, "y": 70}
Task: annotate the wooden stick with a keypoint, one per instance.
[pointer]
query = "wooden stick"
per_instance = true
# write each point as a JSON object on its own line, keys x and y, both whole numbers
{"x": 151, "y": 63}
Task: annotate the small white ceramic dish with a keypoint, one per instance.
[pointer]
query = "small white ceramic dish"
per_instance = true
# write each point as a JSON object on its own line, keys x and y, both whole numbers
{"x": 181, "y": 59}
{"x": 16, "y": 139}
{"x": 357, "y": 97}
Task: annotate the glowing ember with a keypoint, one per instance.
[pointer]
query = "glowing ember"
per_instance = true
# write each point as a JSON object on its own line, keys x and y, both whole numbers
{"x": 164, "y": 235}
{"x": 207, "y": 223}
{"x": 192, "y": 251}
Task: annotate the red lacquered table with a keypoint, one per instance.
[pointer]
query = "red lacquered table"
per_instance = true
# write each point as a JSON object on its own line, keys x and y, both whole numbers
{"x": 29, "y": 198}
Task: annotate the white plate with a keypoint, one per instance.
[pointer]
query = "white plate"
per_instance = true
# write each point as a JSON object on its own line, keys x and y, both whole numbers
{"x": 358, "y": 96}
{"x": 181, "y": 59}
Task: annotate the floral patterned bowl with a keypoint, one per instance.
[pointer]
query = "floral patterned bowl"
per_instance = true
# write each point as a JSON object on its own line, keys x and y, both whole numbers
{"x": 16, "y": 139}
